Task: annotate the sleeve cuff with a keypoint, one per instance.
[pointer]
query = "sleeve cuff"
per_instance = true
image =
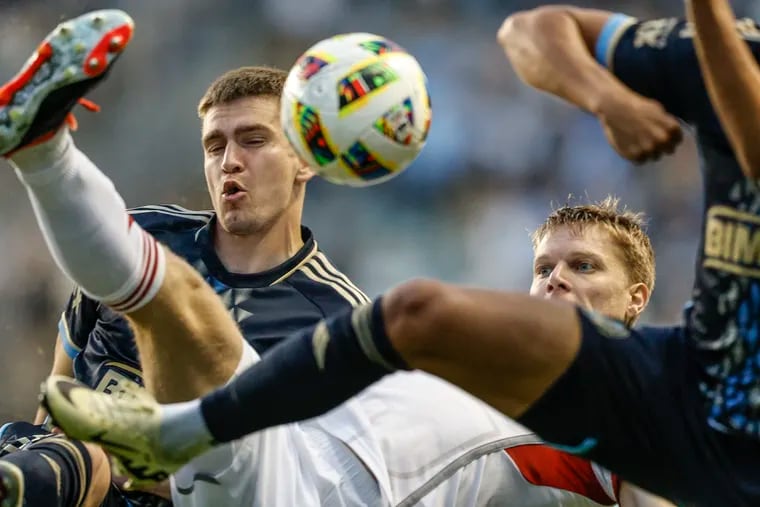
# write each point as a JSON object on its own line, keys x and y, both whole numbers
{"x": 71, "y": 349}
{"x": 609, "y": 36}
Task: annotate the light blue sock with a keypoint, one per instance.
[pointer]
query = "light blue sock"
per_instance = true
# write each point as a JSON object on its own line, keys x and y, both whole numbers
{"x": 183, "y": 427}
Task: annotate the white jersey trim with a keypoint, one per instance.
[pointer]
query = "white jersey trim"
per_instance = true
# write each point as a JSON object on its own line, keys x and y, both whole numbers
{"x": 173, "y": 210}
{"x": 604, "y": 477}
{"x": 320, "y": 269}
{"x": 470, "y": 456}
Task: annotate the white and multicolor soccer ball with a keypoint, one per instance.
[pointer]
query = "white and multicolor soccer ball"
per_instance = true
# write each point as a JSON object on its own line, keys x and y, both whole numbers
{"x": 356, "y": 108}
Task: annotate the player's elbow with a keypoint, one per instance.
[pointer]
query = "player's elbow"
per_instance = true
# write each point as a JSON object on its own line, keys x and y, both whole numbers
{"x": 530, "y": 40}
{"x": 415, "y": 313}
{"x": 516, "y": 28}
{"x": 509, "y": 27}
{"x": 526, "y": 25}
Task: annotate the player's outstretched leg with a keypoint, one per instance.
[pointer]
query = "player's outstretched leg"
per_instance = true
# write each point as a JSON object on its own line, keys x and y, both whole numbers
{"x": 84, "y": 221}
{"x": 127, "y": 426}
{"x": 188, "y": 342}
{"x": 497, "y": 345}
{"x": 79, "y": 212}
{"x": 323, "y": 366}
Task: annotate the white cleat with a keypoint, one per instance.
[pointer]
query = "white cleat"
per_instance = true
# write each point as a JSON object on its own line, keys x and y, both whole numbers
{"x": 126, "y": 425}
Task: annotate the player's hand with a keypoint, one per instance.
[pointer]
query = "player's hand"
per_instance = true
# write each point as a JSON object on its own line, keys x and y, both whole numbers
{"x": 638, "y": 128}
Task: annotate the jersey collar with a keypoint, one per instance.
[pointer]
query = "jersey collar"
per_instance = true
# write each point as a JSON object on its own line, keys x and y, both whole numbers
{"x": 251, "y": 280}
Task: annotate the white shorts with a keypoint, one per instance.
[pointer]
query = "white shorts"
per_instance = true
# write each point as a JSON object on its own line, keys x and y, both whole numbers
{"x": 290, "y": 465}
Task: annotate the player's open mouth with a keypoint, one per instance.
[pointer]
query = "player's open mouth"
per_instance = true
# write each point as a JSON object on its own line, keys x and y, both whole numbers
{"x": 232, "y": 190}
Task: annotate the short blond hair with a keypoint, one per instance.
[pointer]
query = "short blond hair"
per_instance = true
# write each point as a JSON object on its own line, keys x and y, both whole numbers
{"x": 627, "y": 229}
{"x": 241, "y": 83}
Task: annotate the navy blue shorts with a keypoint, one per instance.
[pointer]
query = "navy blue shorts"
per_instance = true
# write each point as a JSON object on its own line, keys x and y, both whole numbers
{"x": 631, "y": 402}
{"x": 21, "y": 436}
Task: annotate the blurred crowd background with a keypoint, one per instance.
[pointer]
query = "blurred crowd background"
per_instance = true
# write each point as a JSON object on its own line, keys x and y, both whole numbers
{"x": 498, "y": 157}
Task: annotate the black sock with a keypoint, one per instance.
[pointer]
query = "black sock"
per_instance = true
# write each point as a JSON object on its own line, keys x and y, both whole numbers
{"x": 309, "y": 373}
{"x": 57, "y": 472}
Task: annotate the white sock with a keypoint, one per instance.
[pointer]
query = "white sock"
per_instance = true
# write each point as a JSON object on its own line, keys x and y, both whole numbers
{"x": 86, "y": 227}
{"x": 183, "y": 428}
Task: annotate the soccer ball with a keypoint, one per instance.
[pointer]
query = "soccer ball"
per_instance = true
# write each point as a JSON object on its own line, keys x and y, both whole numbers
{"x": 356, "y": 108}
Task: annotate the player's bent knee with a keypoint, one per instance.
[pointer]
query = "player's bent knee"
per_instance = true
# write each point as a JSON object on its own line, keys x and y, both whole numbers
{"x": 414, "y": 313}
{"x": 64, "y": 472}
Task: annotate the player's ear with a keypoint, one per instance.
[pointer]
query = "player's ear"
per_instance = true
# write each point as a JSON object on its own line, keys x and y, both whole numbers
{"x": 638, "y": 298}
{"x": 304, "y": 172}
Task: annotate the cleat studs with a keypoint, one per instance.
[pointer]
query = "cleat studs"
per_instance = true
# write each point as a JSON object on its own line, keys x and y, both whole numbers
{"x": 80, "y": 47}
{"x": 97, "y": 21}
{"x": 15, "y": 114}
{"x": 93, "y": 63}
{"x": 65, "y": 31}
{"x": 70, "y": 72}
{"x": 116, "y": 43}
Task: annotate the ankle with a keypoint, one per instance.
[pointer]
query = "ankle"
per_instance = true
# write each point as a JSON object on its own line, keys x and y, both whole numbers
{"x": 45, "y": 155}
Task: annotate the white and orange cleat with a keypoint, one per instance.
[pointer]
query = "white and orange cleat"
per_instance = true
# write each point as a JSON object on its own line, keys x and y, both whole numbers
{"x": 71, "y": 61}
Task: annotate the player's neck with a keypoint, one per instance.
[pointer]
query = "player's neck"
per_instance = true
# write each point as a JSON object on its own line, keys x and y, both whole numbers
{"x": 259, "y": 252}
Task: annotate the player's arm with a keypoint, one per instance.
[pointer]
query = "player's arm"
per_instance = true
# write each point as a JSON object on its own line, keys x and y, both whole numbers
{"x": 63, "y": 364}
{"x": 732, "y": 78}
{"x": 632, "y": 496}
{"x": 74, "y": 327}
{"x": 552, "y": 48}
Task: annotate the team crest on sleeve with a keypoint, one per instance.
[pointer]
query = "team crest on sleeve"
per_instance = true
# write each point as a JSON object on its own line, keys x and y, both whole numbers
{"x": 654, "y": 33}
{"x": 611, "y": 328}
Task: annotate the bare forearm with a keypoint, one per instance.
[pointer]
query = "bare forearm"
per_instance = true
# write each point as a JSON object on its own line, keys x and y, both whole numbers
{"x": 732, "y": 78}
{"x": 547, "y": 48}
{"x": 62, "y": 365}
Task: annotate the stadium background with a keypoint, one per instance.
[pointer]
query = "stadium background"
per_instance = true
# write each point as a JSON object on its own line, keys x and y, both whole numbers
{"x": 497, "y": 155}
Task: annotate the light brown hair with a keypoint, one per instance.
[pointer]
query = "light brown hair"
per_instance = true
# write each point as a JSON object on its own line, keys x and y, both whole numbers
{"x": 626, "y": 228}
{"x": 240, "y": 83}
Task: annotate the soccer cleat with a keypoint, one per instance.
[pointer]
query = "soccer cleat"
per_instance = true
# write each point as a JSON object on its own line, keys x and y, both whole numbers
{"x": 127, "y": 425}
{"x": 71, "y": 60}
{"x": 11, "y": 485}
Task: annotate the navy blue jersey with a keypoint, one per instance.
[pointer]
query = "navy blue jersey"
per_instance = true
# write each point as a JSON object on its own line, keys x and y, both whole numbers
{"x": 657, "y": 59}
{"x": 267, "y": 306}
{"x": 630, "y": 401}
